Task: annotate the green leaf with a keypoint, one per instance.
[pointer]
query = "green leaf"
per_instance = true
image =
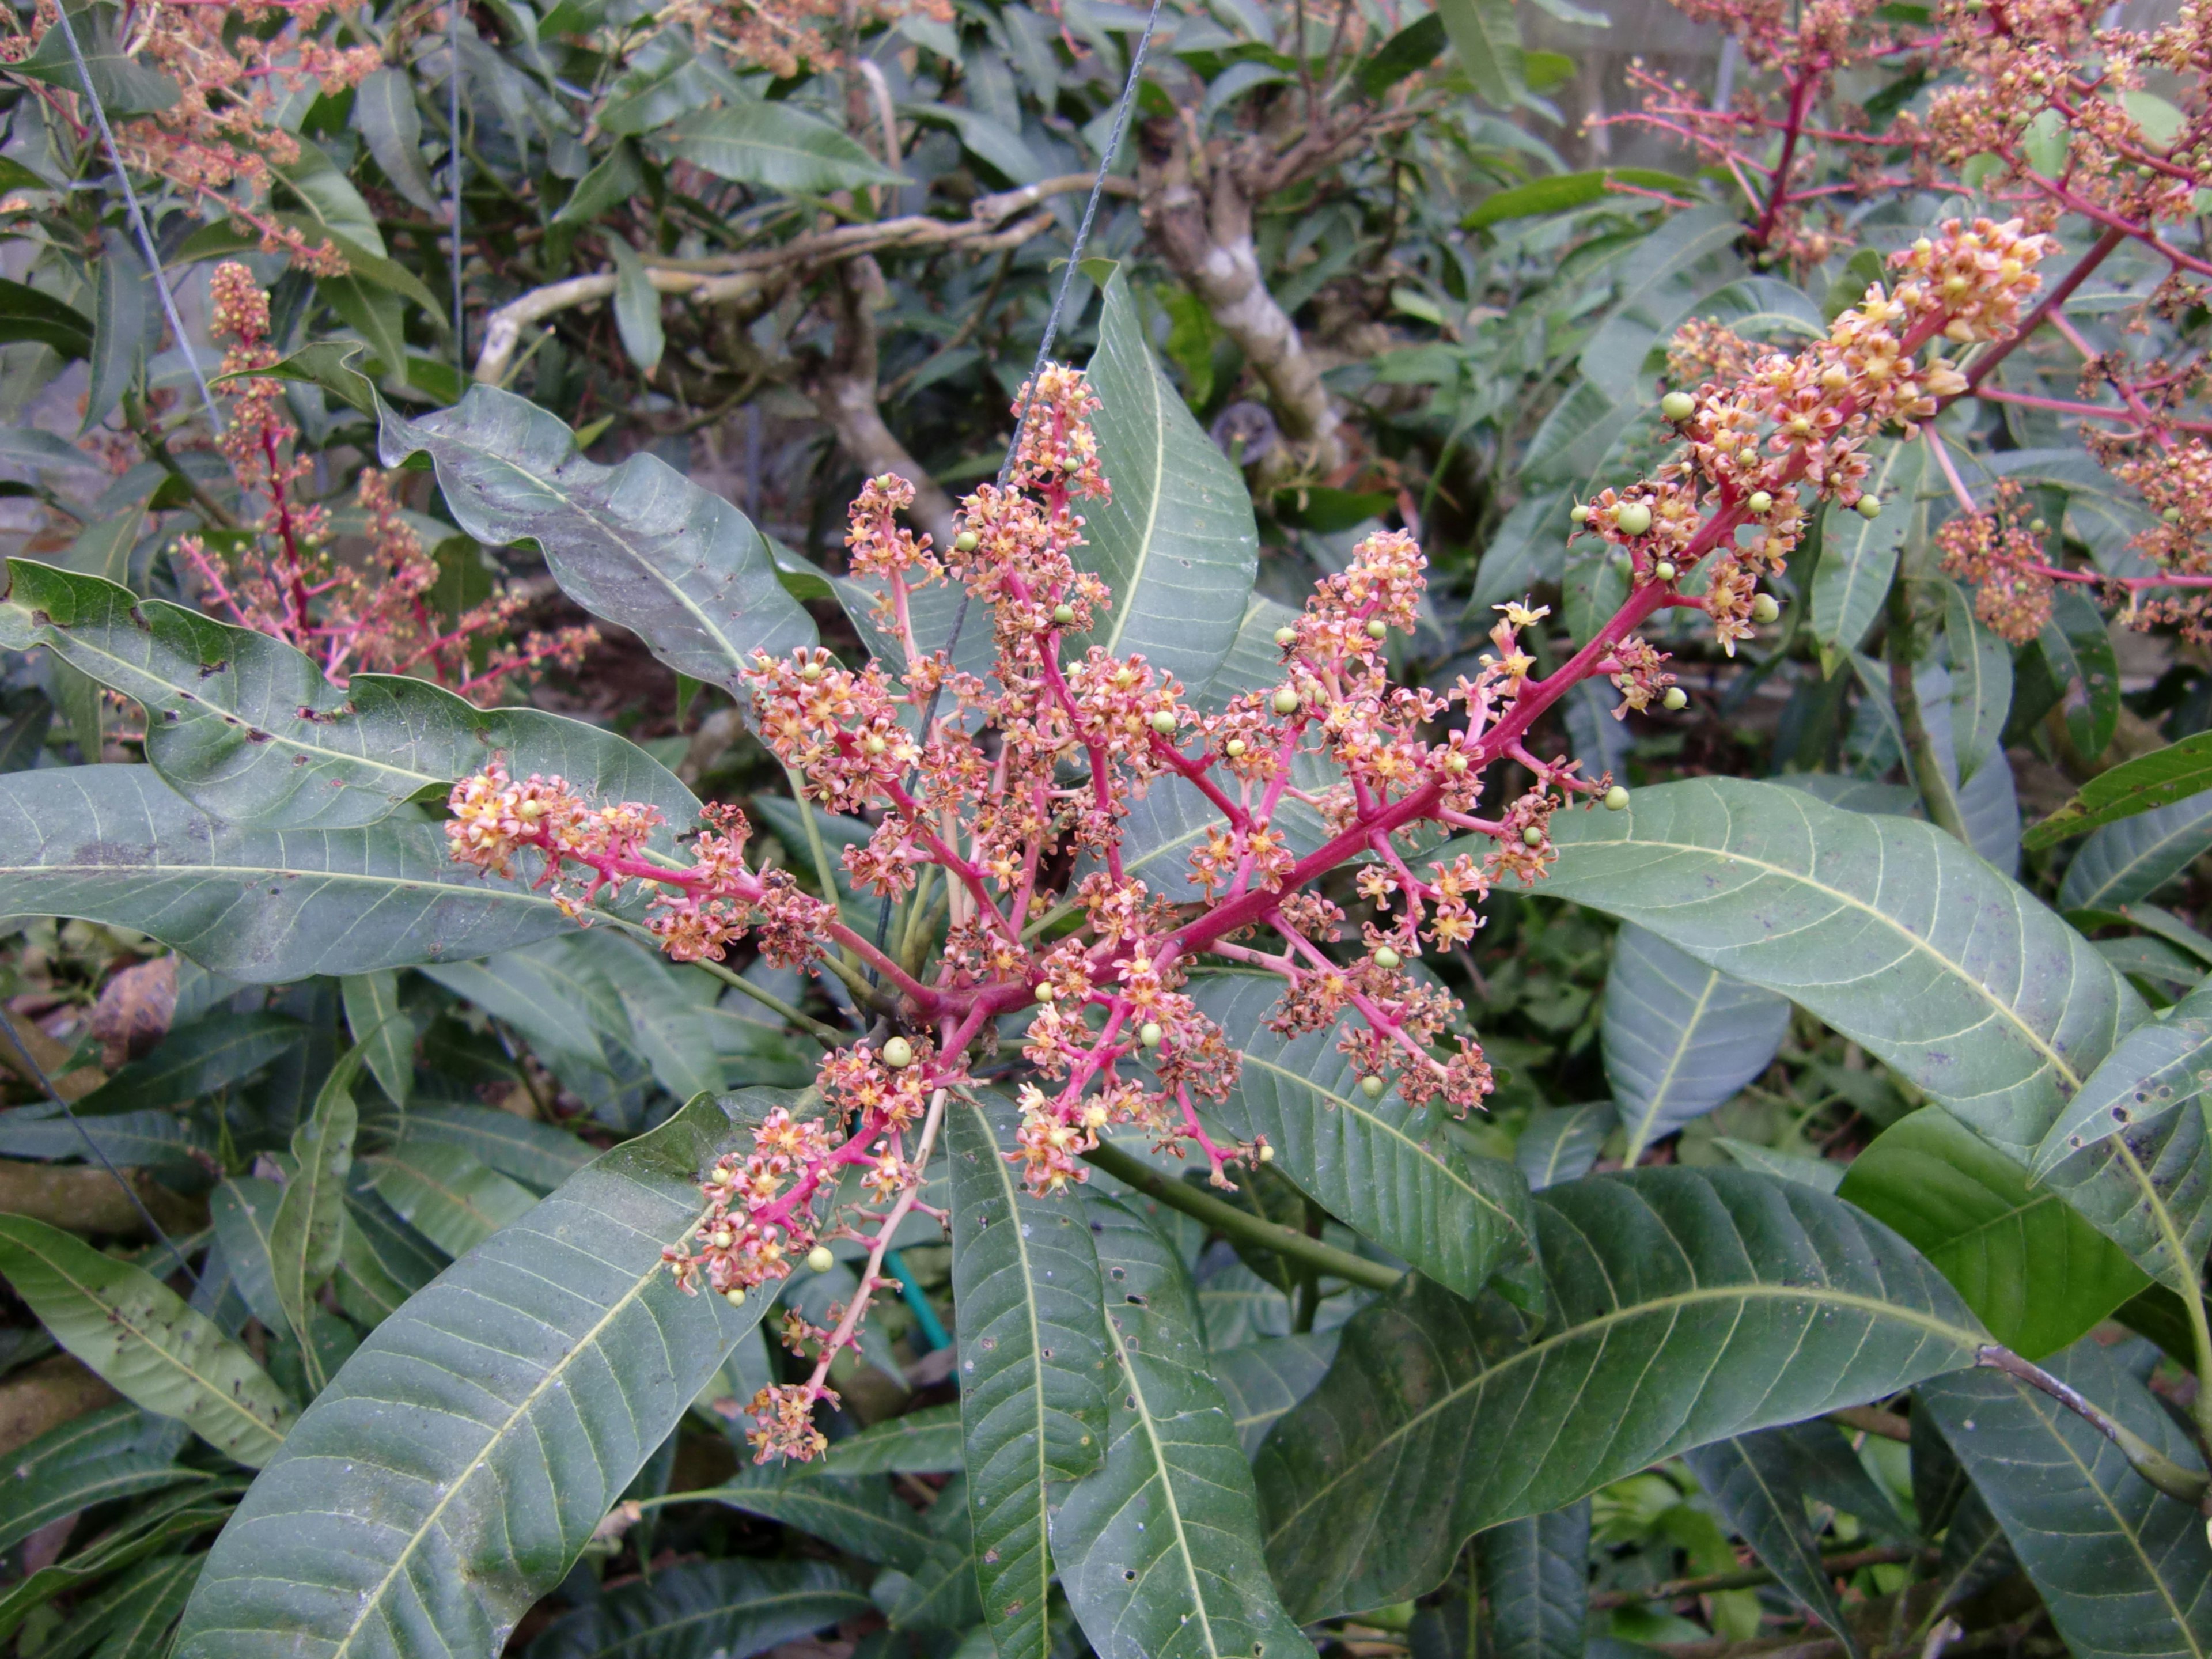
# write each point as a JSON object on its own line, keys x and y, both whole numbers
{"x": 382, "y": 1261}
{"x": 2160, "y": 778}
{"x": 27, "y": 314}
{"x": 614, "y": 179}
{"x": 1560, "y": 1143}
{"x": 1265, "y": 1377}
{"x": 123, "y": 315}
{"x": 123, "y": 85}
{"x": 333, "y": 207}
{"x": 373, "y": 313}
{"x": 444, "y": 1194}
{"x": 327, "y": 363}
{"x": 386, "y": 1035}
{"x": 1409, "y": 52}
{"x": 1679, "y": 1037}
{"x": 385, "y": 115}
{"x": 2134, "y": 858}
{"x": 244, "y": 1209}
{"x": 307, "y": 1236}
{"x": 114, "y": 844}
{"x": 1535, "y": 1572}
{"x": 1888, "y": 929}
{"x": 186, "y": 1064}
{"x": 2034, "y": 1271}
{"x": 920, "y": 1443}
{"x": 2079, "y": 652}
{"x": 637, "y": 307}
{"x": 776, "y": 146}
{"x": 30, "y": 1502}
{"x": 1177, "y": 544}
{"x": 638, "y": 544}
{"x": 1858, "y": 556}
{"x": 247, "y": 727}
{"x": 1981, "y": 683}
{"x": 1487, "y": 38}
{"x": 1558, "y": 192}
{"x": 1383, "y": 1168}
{"x": 1033, "y": 1365}
{"x": 2124, "y": 1571}
{"x": 536, "y": 1154}
{"x": 2159, "y": 1067}
{"x": 144, "y": 1530}
{"x": 1685, "y": 1305}
{"x": 705, "y": 1610}
{"x": 860, "y": 1514}
{"x": 489, "y": 1426}
{"x": 1159, "y": 1546}
{"x": 143, "y": 1341}
{"x": 1752, "y": 1481}
{"x": 148, "y": 1601}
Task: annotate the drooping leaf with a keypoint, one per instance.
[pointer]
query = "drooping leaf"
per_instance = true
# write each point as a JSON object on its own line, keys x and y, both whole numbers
{"x": 489, "y": 1425}
{"x": 386, "y": 1035}
{"x": 2132, "y": 859}
{"x": 147, "y": 1603}
{"x": 775, "y": 146}
{"x": 1159, "y": 1547}
{"x": 1487, "y": 38}
{"x": 247, "y": 728}
{"x": 536, "y": 1154}
{"x": 638, "y": 544}
{"x": 2025, "y": 1260}
{"x": 123, "y": 313}
{"x": 2160, "y": 778}
{"x": 1890, "y": 930}
{"x": 1686, "y": 1304}
{"x": 920, "y": 1443}
{"x": 1535, "y": 1572}
{"x": 123, "y": 84}
{"x": 30, "y": 1502}
{"x": 193, "y": 1062}
{"x": 859, "y": 1514}
{"x": 143, "y": 1340}
{"x": 244, "y": 1209}
{"x": 1981, "y": 683}
{"x": 1177, "y": 544}
{"x": 444, "y": 1194}
{"x": 382, "y": 1260}
{"x": 2123, "y": 1569}
{"x": 637, "y": 307}
{"x": 384, "y": 112}
{"x": 1680, "y": 1037}
{"x": 307, "y": 1236}
{"x": 728, "y": 1609}
{"x": 1858, "y": 556}
{"x": 2078, "y": 652}
{"x": 26, "y": 313}
{"x": 1033, "y": 1366}
{"x": 1263, "y": 1378}
{"x": 2159, "y": 1067}
{"x": 1383, "y": 1168}
{"x": 145, "y": 1530}
{"x": 115, "y": 844}
{"x": 1752, "y": 1481}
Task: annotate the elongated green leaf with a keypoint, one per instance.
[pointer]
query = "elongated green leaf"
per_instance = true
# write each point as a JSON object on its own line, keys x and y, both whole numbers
{"x": 151, "y": 1598}
{"x": 1033, "y": 1366}
{"x": 1752, "y": 1479}
{"x": 1888, "y": 929}
{"x": 175, "y": 1147}
{"x": 146, "y": 1529}
{"x": 1680, "y": 1037}
{"x": 488, "y": 1426}
{"x": 115, "y": 844}
{"x": 193, "y": 1062}
{"x": 1177, "y": 544}
{"x": 386, "y": 1035}
{"x": 2123, "y": 1569}
{"x": 26, "y": 313}
{"x": 1159, "y": 1547}
{"x": 2134, "y": 858}
{"x": 248, "y": 729}
{"x": 920, "y": 1443}
{"x": 705, "y": 1610}
{"x": 1858, "y": 556}
{"x": 859, "y": 1514}
{"x": 1487, "y": 38}
{"x": 384, "y": 112}
{"x": 1981, "y": 682}
{"x": 2157, "y": 1068}
{"x": 308, "y": 1233}
{"x": 637, "y": 307}
{"x": 1376, "y": 1164}
{"x": 1535, "y": 1572}
{"x": 142, "y": 1339}
{"x": 1556, "y": 192}
{"x": 777, "y": 146}
{"x": 123, "y": 309}
{"x": 1265, "y": 1377}
{"x": 941, "y": 1595}
{"x": 1560, "y": 1143}
{"x": 2160, "y": 778}
{"x": 536, "y": 1154}
{"x": 27, "y": 1504}
{"x": 244, "y": 1209}
{"x": 639, "y": 544}
{"x": 382, "y": 1261}
{"x": 1685, "y": 1304}
{"x": 123, "y": 84}
{"x": 2030, "y": 1265}
{"x": 444, "y": 1194}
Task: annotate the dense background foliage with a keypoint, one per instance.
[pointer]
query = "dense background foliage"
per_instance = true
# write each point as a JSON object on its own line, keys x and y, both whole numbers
{"x": 778, "y": 249}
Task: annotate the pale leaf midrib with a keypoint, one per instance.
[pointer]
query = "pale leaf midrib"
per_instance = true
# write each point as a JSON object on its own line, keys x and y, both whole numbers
{"x": 1125, "y": 602}
{"x": 1642, "y": 1136}
{"x": 1144, "y": 1412}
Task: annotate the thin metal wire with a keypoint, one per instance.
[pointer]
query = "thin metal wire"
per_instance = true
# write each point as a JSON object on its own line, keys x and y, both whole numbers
{"x": 1127, "y": 102}
{"x": 137, "y": 218}
{"x": 38, "y": 1074}
{"x": 453, "y": 121}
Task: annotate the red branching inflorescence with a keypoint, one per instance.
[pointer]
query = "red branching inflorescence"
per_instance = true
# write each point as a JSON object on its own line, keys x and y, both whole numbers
{"x": 1024, "y": 828}
{"x": 374, "y": 615}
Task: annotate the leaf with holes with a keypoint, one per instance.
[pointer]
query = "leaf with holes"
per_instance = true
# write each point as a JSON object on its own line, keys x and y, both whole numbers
{"x": 1381, "y": 1167}
{"x": 1685, "y": 1305}
{"x": 489, "y": 1425}
{"x": 1159, "y": 1547}
{"x": 1680, "y": 1037}
{"x": 1033, "y": 1365}
{"x": 2134, "y": 858}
